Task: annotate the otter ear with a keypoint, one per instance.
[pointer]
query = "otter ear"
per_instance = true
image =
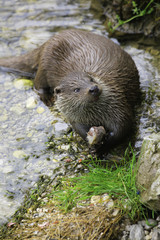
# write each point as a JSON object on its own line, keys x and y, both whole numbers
{"x": 57, "y": 90}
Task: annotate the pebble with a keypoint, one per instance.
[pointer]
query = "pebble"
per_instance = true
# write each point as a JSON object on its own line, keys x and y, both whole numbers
{"x": 147, "y": 237}
{"x": 55, "y": 160}
{"x": 142, "y": 230}
{"x": 137, "y": 232}
{"x": 3, "y": 115}
{"x": 95, "y": 199}
{"x": 8, "y": 169}
{"x": 18, "y": 109}
{"x": 146, "y": 232}
{"x": 43, "y": 225}
{"x": 110, "y": 204}
{"x": 124, "y": 237}
{"x": 105, "y": 200}
{"x": 30, "y": 134}
{"x": 156, "y": 234}
{"x": 115, "y": 212}
{"x": 41, "y": 214}
{"x": 40, "y": 110}
{"x": 64, "y": 147}
{"x": 149, "y": 224}
{"x": 60, "y": 128}
{"x": 3, "y": 118}
{"x": 23, "y": 84}
{"x": 31, "y": 103}
{"x": 157, "y": 104}
{"x": 19, "y": 154}
{"x": 105, "y": 197}
{"x": 35, "y": 215}
{"x": 31, "y": 224}
{"x": 158, "y": 218}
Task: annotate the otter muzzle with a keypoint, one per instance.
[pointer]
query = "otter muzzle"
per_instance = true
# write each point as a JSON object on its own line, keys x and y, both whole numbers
{"x": 95, "y": 91}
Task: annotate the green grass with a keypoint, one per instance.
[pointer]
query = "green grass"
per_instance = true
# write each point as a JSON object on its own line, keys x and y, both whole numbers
{"x": 119, "y": 182}
{"x": 137, "y": 12}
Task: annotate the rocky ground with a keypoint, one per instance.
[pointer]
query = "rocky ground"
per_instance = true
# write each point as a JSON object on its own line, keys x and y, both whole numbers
{"x": 94, "y": 219}
{"x": 98, "y": 220}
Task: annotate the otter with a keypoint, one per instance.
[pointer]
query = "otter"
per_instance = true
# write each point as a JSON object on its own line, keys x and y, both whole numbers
{"x": 93, "y": 80}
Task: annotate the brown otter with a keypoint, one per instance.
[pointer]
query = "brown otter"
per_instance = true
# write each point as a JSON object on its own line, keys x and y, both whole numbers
{"x": 96, "y": 83}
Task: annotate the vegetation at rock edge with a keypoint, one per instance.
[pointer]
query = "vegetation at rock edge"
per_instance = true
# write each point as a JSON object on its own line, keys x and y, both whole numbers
{"x": 137, "y": 12}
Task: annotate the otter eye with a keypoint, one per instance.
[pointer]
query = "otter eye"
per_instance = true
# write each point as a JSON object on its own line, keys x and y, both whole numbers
{"x": 58, "y": 90}
{"x": 91, "y": 79}
{"x": 76, "y": 90}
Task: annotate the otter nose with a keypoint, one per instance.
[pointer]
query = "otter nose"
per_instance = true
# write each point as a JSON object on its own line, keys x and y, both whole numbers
{"x": 94, "y": 90}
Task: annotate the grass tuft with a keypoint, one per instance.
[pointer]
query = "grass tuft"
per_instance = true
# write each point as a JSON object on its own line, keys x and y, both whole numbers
{"x": 119, "y": 182}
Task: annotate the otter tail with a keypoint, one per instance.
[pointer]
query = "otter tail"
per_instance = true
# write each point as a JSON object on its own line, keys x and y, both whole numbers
{"x": 17, "y": 72}
{"x": 25, "y": 65}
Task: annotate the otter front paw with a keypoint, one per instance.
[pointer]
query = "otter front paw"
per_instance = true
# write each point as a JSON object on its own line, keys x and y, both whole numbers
{"x": 46, "y": 96}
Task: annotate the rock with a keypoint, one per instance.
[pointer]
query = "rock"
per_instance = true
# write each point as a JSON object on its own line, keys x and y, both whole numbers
{"x": 104, "y": 200}
{"x": 31, "y": 103}
{"x": 18, "y": 109}
{"x": 8, "y": 169}
{"x": 19, "y": 154}
{"x": 147, "y": 237}
{"x": 64, "y": 147}
{"x": 110, "y": 204}
{"x": 125, "y": 236}
{"x": 23, "y": 84}
{"x": 122, "y": 11}
{"x": 136, "y": 232}
{"x": 3, "y": 118}
{"x": 95, "y": 199}
{"x": 43, "y": 225}
{"x": 156, "y": 234}
{"x": 148, "y": 175}
{"x": 115, "y": 212}
{"x": 149, "y": 224}
{"x": 40, "y": 110}
{"x": 158, "y": 218}
{"x": 3, "y": 114}
{"x": 60, "y": 128}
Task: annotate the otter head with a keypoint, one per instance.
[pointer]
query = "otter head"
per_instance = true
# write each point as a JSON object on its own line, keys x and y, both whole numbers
{"x": 76, "y": 92}
{"x": 75, "y": 95}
